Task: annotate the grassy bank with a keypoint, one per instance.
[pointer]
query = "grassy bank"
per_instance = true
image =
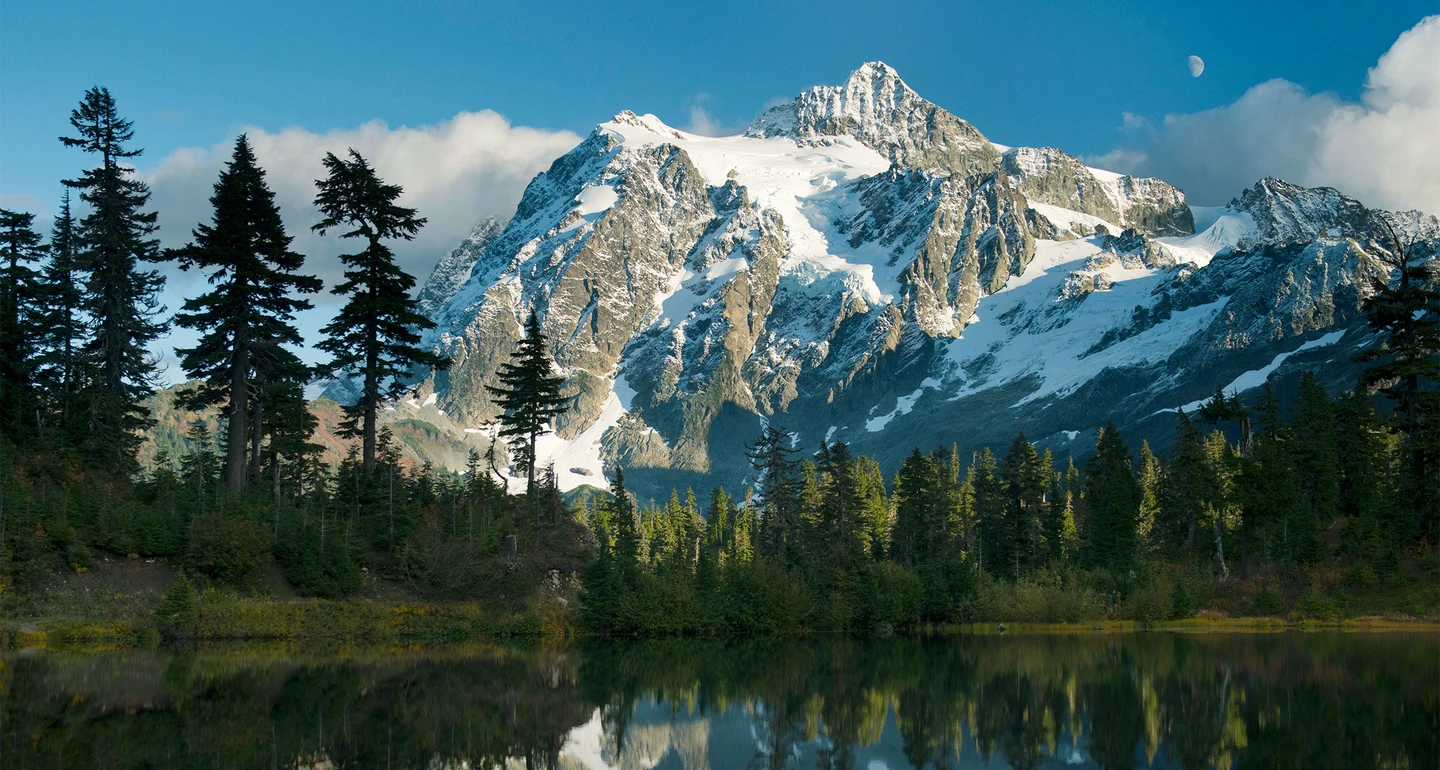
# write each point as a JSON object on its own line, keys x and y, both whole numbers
{"x": 309, "y": 625}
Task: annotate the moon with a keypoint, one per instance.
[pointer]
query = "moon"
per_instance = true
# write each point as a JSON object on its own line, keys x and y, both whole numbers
{"x": 1196, "y": 64}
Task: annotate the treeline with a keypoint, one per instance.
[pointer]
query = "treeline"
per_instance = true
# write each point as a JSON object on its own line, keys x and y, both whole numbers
{"x": 824, "y": 545}
{"x": 78, "y": 312}
{"x": 820, "y": 542}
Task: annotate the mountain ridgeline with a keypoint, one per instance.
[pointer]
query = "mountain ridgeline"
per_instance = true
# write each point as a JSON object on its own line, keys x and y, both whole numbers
{"x": 864, "y": 266}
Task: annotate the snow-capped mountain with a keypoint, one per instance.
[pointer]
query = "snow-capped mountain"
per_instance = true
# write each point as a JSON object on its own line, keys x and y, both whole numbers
{"x": 862, "y": 265}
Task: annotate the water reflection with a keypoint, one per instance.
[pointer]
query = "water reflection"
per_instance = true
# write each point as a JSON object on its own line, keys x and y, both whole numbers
{"x": 1157, "y": 700}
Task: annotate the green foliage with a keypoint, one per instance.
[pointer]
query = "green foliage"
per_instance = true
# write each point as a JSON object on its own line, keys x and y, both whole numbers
{"x": 529, "y": 396}
{"x": 231, "y": 548}
{"x": 1181, "y": 604}
{"x": 179, "y": 609}
{"x": 119, "y": 299}
{"x": 376, "y": 335}
{"x": 247, "y": 317}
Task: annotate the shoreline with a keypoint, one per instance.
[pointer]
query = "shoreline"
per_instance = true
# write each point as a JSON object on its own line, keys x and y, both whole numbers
{"x": 407, "y": 626}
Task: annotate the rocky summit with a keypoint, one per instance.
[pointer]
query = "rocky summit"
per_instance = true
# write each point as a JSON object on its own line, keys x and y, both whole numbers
{"x": 862, "y": 265}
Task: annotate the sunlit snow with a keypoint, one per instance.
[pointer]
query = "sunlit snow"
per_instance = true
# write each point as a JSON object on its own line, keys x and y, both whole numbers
{"x": 1257, "y": 377}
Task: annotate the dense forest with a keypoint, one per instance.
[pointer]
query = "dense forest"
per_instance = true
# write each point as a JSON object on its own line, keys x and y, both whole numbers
{"x": 1326, "y": 508}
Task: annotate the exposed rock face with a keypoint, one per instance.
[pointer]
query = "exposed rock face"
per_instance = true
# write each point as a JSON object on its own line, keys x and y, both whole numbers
{"x": 1284, "y": 212}
{"x": 876, "y": 107}
{"x": 1047, "y": 175}
{"x": 864, "y": 266}
{"x": 453, "y": 269}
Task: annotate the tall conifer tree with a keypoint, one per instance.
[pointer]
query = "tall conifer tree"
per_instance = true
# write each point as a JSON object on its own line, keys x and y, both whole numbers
{"x": 249, "y": 312}
{"x": 529, "y": 397}
{"x": 376, "y": 334}
{"x": 1113, "y": 499}
{"x": 120, "y": 299}
{"x": 61, "y": 327}
{"x": 19, "y": 330}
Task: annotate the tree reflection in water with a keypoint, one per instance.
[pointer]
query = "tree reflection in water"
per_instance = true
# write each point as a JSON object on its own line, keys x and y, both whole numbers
{"x": 1134, "y": 700}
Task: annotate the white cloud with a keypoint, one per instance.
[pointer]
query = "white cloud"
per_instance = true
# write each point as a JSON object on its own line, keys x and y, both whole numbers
{"x": 454, "y": 172}
{"x": 705, "y": 124}
{"x": 1384, "y": 150}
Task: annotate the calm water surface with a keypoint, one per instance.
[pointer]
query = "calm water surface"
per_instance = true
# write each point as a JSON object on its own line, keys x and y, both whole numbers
{"x": 1110, "y": 701}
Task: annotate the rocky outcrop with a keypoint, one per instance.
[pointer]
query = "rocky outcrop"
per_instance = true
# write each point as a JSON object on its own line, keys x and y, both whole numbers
{"x": 876, "y": 107}
{"x": 453, "y": 269}
{"x": 867, "y": 267}
{"x": 1047, "y": 175}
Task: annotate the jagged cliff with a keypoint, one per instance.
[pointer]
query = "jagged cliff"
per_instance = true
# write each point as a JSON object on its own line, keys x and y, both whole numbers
{"x": 862, "y": 265}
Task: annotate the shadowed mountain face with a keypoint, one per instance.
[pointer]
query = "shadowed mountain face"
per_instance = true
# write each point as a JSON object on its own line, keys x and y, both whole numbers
{"x": 863, "y": 266}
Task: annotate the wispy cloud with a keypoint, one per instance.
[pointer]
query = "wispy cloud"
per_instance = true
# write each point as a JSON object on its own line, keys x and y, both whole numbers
{"x": 1383, "y": 150}
{"x": 455, "y": 173}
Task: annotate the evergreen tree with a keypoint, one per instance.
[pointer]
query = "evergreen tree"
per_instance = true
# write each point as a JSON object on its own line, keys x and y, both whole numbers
{"x": 1145, "y": 526}
{"x": 249, "y": 311}
{"x": 1405, "y": 366}
{"x": 1061, "y": 533}
{"x": 1113, "y": 499}
{"x": 875, "y": 517}
{"x": 119, "y": 299}
{"x": 375, "y": 336}
{"x": 1025, "y": 483}
{"x": 61, "y": 328}
{"x": 916, "y": 508}
{"x": 529, "y": 395}
{"x": 777, "y": 509}
{"x": 19, "y": 330}
{"x": 1185, "y": 490}
{"x": 989, "y": 513}
{"x": 1315, "y": 450}
{"x": 627, "y": 535}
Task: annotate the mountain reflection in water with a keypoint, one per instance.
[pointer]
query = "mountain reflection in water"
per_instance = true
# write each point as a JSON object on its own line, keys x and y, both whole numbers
{"x": 1110, "y": 701}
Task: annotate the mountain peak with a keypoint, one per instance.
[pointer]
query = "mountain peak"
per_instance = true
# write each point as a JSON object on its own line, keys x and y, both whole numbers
{"x": 876, "y": 107}
{"x": 875, "y": 72}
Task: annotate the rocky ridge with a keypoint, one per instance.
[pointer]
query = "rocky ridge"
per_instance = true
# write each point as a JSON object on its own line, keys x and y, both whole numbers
{"x": 862, "y": 265}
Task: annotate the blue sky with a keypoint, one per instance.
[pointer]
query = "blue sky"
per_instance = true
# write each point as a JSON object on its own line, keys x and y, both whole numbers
{"x": 1024, "y": 72}
{"x": 464, "y": 103}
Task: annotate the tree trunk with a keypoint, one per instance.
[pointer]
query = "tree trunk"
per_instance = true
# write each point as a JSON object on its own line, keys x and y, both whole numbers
{"x": 239, "y": 414}
{"x": 367, "y": 441}
{"x": 257, "y": 414}
{"x": 1220, "y": 547}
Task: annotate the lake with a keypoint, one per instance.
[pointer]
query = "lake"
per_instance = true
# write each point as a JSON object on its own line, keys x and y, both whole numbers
{"x": 1192, "y": 700}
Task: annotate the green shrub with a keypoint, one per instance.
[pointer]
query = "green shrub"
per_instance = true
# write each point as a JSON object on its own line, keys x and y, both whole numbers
{"x": 79, "y": 557}
{"x": 1045, "y": 598}
{"x": 1151, "y": 603}
{"x": 179, "y": 608}
{"x": 227, "y": 548}
{"x": 1317, "y": 606}
{"x": 896, "y": 596}
{"x": 1268, "y": 604}
{"x": 1181, "y": 605}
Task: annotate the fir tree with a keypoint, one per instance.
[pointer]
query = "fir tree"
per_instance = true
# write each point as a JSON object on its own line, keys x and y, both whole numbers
{"x": 916, "y": 507}
{"x": 989, "y": 513}
{"x": 1315, "y": 450}
{"x": 375, "y": 336}
{"x": 1025, "y": 483}
{"x": 1113, "y": 500}
{"x": 19, "y": 329}
{"x": 1405, "y": 366}
{"x": 627, "y": 535}
{"x": 1145, "y": 526}
{"x": 529, "y": 397}
{"x": 777, "y": 509}
{"x": 249, "y": 311}
{"x": 119, "y": 299}
{"x": 60, "y": 326}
